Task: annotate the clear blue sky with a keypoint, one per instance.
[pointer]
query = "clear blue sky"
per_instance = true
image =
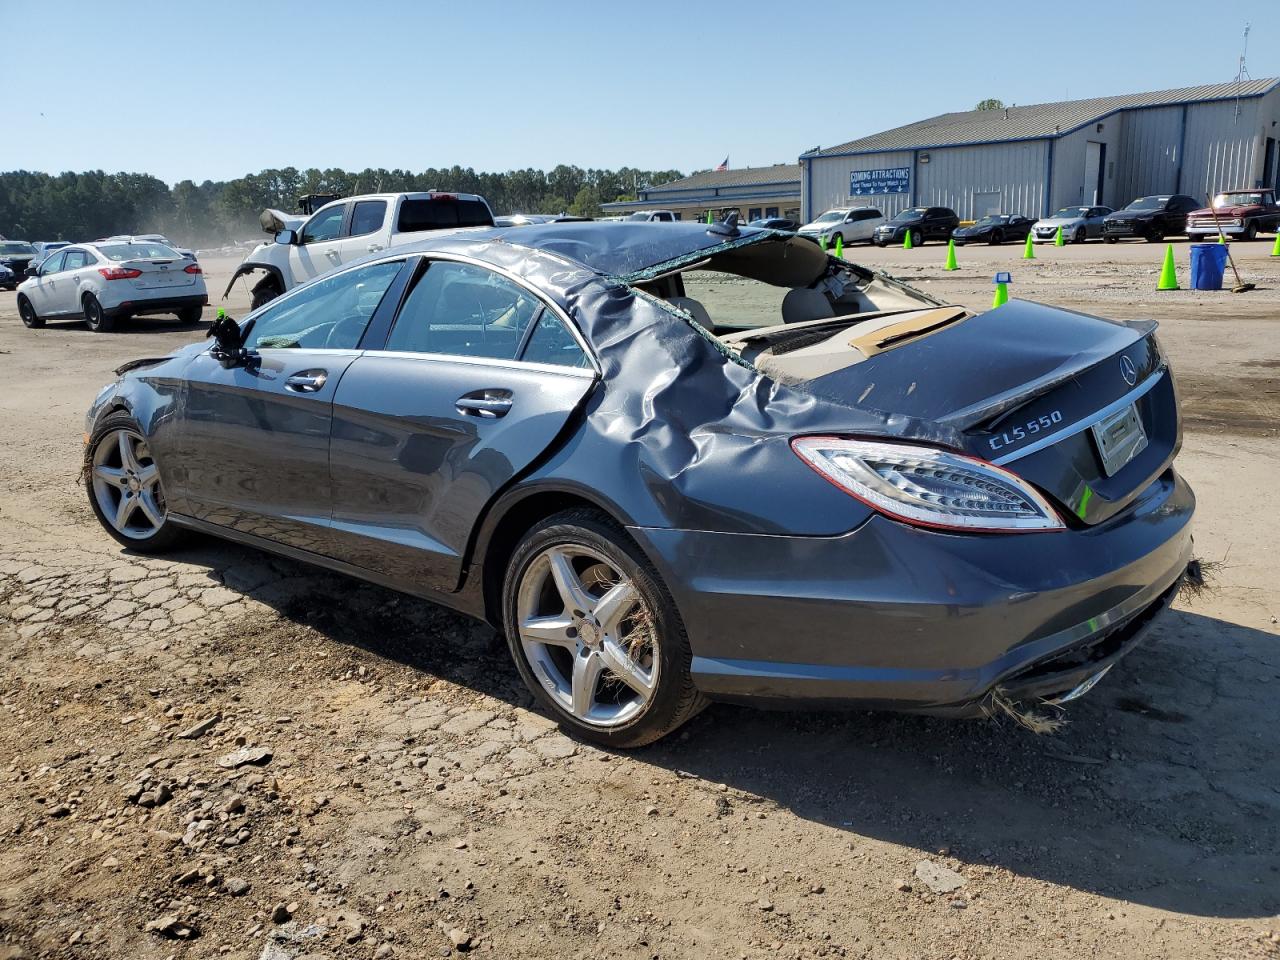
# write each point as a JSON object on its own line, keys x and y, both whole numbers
{"x": 199, "y": 89}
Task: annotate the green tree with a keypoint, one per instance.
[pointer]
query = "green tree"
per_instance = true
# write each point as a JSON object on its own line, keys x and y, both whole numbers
{"x": 991, "y": 103}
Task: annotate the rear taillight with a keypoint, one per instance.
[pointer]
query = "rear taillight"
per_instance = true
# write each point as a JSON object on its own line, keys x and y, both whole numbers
{"x": 194, "y": 268}
{"x": 119, "y": 273}
{"x": 444, "y": 196}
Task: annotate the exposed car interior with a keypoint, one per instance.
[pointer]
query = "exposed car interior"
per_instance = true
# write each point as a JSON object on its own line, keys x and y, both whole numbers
{"x": 829, "y": 315}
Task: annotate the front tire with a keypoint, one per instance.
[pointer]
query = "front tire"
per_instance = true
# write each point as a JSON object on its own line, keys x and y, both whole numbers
{"x": 996, "y": 238}
{"x": 917, "y": 238}
{"x": 30, "y": 319}
{"x": 1250, "y": 233}
{"x": 595, "y": 634}
{"x": 95, "y": 318}
{"x": 123, "y": 481}
{"x": 1080, "y": 236}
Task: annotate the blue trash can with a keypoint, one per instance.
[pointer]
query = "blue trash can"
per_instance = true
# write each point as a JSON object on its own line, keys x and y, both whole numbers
{"x": 1208, "y": 262}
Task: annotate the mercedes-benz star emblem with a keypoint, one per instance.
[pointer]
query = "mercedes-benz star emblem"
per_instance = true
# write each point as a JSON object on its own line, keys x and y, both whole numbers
{"x": 1128, "y": 371}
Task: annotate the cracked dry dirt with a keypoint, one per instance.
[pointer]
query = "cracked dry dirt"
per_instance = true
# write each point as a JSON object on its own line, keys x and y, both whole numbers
{"x": 222, "y": 753}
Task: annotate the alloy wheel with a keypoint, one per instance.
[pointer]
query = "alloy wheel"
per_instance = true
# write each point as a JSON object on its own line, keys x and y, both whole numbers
{"x": 126, "y": 485}
{"x": 587, "y": 635}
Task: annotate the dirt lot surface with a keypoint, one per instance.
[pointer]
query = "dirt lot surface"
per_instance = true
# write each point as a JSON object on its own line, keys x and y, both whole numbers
{"x": 220, "y": 753}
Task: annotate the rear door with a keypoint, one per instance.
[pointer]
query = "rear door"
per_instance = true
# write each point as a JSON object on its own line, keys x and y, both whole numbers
{"x": 365, "y": 234}
{"x": 478, "y": 377}
{"x": 317, "y": 250}
{"x": 254, "y": 438}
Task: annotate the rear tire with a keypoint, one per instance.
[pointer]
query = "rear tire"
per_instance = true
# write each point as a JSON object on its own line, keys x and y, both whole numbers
{"x": 95, "y": 318}
{"x": 561, "y": 576}
{"x": 190, "y": 315}
{"x": 1109, "y": 239}
{"x": 30, "y": 319}
{"x": 124, "y": 487}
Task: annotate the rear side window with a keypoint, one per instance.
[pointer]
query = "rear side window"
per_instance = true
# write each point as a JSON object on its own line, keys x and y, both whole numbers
{"x": 550, "y": 342}
{"x": 367, "y": 217}
{"x": 76, "y": 259}
{"x": 458, "y": 309}
{"x": 442, "y": 212}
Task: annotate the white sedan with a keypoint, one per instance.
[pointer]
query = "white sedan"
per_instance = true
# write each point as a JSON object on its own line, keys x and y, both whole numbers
{"x": 103, "y": 283}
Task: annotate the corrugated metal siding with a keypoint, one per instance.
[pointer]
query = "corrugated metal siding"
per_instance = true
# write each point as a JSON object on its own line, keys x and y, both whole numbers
{"x": 1069, "y": 162}
{"x": 1148, "y": 161}
{"x": 1222, "y": 147}
{"x": 1015, "y": 170}
{"x": 829, "y": 185}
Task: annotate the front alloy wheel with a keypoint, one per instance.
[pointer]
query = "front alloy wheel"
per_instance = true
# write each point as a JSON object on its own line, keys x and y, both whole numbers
{"x": 124, "y": 486}
{"x": 595, "y": 634}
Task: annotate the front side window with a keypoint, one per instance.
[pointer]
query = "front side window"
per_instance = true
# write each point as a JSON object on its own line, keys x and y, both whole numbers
{"x": 462, "y": 310}
{"x": 325, "y": 225}
{"x": 53, "y": 264}
{"x": 330, "y": 314}
{"x": 367, "y": 217}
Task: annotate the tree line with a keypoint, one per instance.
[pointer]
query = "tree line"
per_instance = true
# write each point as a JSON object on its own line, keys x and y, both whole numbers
{"x": 82, "y": 206}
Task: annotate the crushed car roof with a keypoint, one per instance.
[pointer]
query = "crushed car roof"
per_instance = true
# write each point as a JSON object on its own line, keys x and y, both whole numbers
{"x": 625, "y": 248}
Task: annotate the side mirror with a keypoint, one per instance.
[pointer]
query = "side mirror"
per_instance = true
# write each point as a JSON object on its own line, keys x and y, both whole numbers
{"x": 33, "y": 271}
{"x": 287, "y": 237}
{"x": 228, "y": 345}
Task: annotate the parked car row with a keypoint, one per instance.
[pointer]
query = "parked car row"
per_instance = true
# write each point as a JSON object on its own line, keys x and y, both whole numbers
{"x": 1241, "y": 214}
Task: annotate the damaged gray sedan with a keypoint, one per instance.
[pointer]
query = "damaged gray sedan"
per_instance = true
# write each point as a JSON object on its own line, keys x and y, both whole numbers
{"x": 868, "y": 497}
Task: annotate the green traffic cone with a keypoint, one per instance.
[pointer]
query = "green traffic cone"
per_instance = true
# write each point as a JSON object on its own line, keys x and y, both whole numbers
{"x": 1001, "y": 297}
{"x": 822, "y": 242}
{"x": 1029, "y": 251}
{"x": 1058, "y": 240}
{"x": 1168, "y": 275}
{"x": 906, "y": 241}
{"x": 840, "y": 247}
{"x": 1275, "y": 250}
{"x": 709, "y": 220}
{"x": 1221, "y": 237}
{"x": 951, "y": 256}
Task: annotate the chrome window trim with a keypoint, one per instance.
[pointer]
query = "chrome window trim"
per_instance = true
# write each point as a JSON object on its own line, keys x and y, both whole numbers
{"x": 1081, "y": 425}
{"x": 581, "y": 372}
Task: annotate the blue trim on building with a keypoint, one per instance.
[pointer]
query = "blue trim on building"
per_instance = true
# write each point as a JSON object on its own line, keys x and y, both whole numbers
{"x": 1030, "y": 139}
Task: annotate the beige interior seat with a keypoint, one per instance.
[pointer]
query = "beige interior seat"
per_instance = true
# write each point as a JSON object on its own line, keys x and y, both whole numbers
{"x": 802, "y": 304}
{"x": 693, "y": 308}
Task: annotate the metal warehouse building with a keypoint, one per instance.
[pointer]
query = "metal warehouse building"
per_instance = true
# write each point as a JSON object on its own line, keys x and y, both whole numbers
{"x": 753, "y": 191}
{"x": 1033, "y": 160}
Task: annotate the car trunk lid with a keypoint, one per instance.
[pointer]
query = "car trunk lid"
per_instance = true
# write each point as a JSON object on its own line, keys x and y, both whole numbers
{"x": 157, "y": 273}
{"x": 1022, "y": 384}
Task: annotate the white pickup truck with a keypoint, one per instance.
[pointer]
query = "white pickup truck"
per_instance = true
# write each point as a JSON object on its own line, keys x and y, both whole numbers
{"x": 347, "y": 229}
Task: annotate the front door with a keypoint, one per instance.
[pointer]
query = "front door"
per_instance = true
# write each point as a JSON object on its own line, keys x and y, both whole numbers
{"x": 254, "y": 440}
{"x": 477, "y": 379}
{"x": 318, "y": 249}
{"x": 1093, "y": 169}
{"x": 43, "y": 293}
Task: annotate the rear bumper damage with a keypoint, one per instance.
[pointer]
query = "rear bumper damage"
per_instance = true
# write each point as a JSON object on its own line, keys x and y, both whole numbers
{"x": 895, "y": 617}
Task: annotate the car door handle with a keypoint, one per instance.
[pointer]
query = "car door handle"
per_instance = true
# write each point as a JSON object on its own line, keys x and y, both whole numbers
{"x": 374, "y": 247}
{"x": 331, "y": 254}
{"x": 309, "y": 381}
{"x": 487, "y": 404}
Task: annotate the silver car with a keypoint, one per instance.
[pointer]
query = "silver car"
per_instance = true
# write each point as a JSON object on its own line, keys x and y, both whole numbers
{"x": 1078, "y": 225}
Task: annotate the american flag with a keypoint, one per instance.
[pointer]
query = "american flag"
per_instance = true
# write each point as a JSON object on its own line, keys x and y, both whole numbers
{"x": 724, "y": 165}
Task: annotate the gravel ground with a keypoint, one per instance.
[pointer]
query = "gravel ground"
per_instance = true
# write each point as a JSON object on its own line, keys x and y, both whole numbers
{"x": 225, "y": 754}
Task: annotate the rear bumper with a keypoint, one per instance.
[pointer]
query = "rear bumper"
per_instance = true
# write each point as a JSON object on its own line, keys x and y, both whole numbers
{"x": 156, "y": 305}
{"x": 896, "y": 617}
